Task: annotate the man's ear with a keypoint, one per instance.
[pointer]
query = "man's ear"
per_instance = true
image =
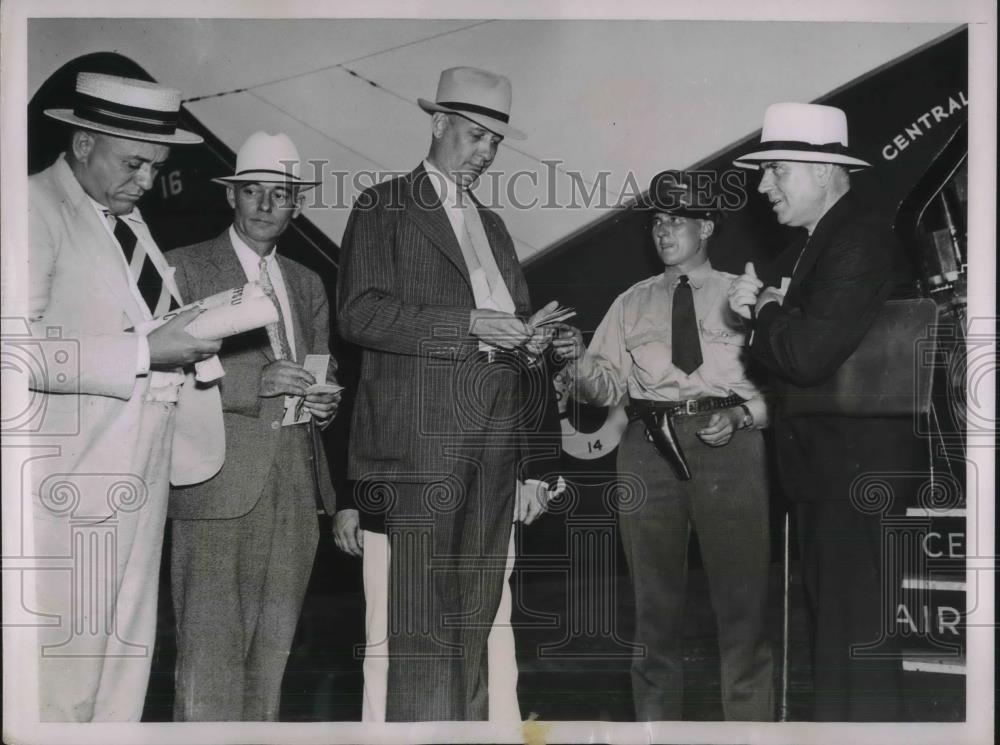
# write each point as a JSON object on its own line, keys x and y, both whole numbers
{"x": 439, "y": 123}
{"x": 823, "y": 173}
{"x": 231, "y": 195}
{"x": 707, "y": 228}
{"x": 300, "y": 200}
{"x": 82, "y": 144}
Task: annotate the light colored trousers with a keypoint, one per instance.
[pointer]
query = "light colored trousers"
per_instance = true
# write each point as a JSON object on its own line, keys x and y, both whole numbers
{"x": 502, "y": 660}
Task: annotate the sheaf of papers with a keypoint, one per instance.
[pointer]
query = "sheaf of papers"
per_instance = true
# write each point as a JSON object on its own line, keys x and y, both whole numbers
{"x": 295, "y": 410}
{"x": 224, "y": 314}
{"x": 556, "y": 315}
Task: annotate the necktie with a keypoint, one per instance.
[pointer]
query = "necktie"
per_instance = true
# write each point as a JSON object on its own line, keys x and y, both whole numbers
{"x": 275, "y": 331}
{"x": 142, "y": 270}
{"x": 685, "y": 343}
{"x": 480, "y": 244}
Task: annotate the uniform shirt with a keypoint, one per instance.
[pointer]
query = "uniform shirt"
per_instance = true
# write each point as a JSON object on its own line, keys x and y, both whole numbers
{"x": 250, "y": 262}
{"x": 631, "y": 354}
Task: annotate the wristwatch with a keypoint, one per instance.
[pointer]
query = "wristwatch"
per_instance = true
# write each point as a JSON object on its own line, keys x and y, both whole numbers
{"x": 747, "y": 422}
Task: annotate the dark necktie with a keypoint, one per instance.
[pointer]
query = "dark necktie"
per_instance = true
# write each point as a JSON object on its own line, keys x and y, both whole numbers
{"x": 146, "y": 277}
{"x": 684, "y": 341}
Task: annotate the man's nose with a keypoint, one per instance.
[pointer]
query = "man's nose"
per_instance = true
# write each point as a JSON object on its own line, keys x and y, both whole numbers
{"x": 264, "y": 202}
{"x": 766, "y": 182}
{"x": 144, "y": 177}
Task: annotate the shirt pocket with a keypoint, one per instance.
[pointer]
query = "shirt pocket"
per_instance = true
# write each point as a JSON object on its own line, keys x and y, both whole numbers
{"x": 726, "y": 347}
{"x": 650, "y": 353}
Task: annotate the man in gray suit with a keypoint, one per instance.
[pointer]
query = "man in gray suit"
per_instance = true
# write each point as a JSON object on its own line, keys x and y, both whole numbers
{"x": 442, "y": 433}
{"x": 244, "y": 541}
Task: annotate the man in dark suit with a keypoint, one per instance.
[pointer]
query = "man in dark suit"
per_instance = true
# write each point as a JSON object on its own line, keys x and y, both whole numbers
{"x": 244, "y": 541}
{"x": 431, "y": 289}
{"x": 822, "y": 296}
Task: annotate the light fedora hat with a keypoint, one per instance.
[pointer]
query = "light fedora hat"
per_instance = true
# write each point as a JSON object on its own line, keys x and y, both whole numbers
{"x": 267, "y": 159}
{"x": 805, "y": 132}
{"x": 125, "y": 107}
{"x": 478, "y": 95}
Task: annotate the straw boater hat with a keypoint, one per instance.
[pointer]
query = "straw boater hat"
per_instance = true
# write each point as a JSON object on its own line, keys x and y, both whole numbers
{"x": 804, "y": 132}
{"x": 267, "y": 159}
{"x": 478, "y": 95}
{"x": 674, "y": 193}
{"x": 124, "y": 107}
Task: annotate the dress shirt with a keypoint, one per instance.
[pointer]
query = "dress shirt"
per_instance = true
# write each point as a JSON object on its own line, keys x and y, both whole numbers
{"x": 158, "y": 379}
{"x": 458, "y": 207}
{"x": 250, "y": 261}
{"x": 630, "y": 352}
{"x": 497, "y": 299}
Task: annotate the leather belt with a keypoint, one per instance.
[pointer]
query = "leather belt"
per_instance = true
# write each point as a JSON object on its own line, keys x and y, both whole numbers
{"x": 690, "y": 407}
{"x": 512, "y": 357}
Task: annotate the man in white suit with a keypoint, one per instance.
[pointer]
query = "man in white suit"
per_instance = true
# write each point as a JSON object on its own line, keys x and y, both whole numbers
{"x": 114, "y": 399}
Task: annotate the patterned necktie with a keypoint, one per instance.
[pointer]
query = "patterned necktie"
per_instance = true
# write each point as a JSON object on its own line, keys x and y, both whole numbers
{"x": 275, "y": 331}
{"x": 480, "y": 244}
{"x": 142, "y": 270}
{"x": 685, "y": 343}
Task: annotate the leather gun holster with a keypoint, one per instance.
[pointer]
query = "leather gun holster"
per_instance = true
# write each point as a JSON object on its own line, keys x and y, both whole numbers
{"x": 660, "y": 432}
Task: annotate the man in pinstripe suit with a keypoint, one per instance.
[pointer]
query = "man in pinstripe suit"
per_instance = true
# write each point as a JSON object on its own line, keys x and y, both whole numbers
{"x": 441, "y": 441}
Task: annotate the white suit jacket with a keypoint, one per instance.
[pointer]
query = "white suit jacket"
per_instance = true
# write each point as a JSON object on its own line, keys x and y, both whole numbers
{"x": 95, "y": 409}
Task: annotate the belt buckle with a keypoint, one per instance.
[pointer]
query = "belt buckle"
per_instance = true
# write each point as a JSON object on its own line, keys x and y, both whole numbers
{"x": 690, "y": 406}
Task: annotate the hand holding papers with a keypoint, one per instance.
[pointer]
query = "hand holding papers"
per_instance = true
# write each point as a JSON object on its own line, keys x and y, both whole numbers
{"x": 225, "y": 314}
{"x": 550, "y": 314}
{"x": 319, "y": 399}
{"x": 546, "y": 324}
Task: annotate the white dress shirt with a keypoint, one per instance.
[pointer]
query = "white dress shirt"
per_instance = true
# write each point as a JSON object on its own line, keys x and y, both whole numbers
{"x": 250, "y": 261}
{"x": 134, "y": 220}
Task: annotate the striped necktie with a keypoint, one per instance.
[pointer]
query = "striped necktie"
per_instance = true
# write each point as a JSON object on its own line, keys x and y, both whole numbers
{"x": 142, "y": 270}
{"x": 276, "y": 333}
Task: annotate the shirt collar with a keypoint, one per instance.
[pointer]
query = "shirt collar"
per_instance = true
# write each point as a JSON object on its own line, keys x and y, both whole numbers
{"x": 133, "y": 216}
{"x": 442, "y": 182}
{"x": 244, "y": 251}
{"x": 697, "y": 277}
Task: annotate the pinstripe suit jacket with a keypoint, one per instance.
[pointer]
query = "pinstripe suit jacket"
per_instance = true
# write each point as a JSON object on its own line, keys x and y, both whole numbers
{"x": 405, "y": 297}
{"x": 252, "y": 422}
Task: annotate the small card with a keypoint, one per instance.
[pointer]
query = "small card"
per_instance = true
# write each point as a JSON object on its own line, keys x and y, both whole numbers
{"x": 785, "y": 281}
{"x": 295, "y": 410}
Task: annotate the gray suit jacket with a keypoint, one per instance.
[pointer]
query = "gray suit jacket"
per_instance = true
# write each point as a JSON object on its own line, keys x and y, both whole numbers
{"x": 252, "y": 422}
{"x": 404, "y": 296}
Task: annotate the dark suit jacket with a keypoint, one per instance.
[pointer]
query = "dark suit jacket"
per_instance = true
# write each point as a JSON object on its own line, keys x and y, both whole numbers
{"x": 252, "y": 421}
{"x": 848, "y": 268}
{"x": 404, "y": 296}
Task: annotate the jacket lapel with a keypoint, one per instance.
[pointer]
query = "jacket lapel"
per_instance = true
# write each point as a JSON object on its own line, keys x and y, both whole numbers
{"x": 425, "y": 209}
{"x": 300, "y": 325}
{"x": 229, "y": 268}
{"x": 506, "y": 258}
{"x": 818, "y": 241}
{"x": 105, "y": 253}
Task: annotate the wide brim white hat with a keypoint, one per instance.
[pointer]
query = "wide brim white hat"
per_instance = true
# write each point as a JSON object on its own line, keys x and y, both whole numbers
{"x": 126, "y": 107}
{"x": 803, "y": 132}
{"x": 267, "y": 159}
{"x": 478, "y": 95}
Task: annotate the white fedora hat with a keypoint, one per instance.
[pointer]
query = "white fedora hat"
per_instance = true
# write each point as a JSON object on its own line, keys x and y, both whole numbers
{"x": 805, "y": 132}
{"x": 125, "y": 107}
{"x": 267, "y": 159}
{"x": 478, "y": 95}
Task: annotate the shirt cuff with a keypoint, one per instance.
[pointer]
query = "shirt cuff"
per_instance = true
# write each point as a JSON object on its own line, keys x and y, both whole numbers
{"x": 559, "y": 488}
{"x": 758, "y": 409}
{"x": 142, "y": 363}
